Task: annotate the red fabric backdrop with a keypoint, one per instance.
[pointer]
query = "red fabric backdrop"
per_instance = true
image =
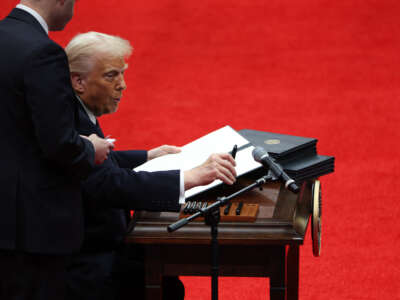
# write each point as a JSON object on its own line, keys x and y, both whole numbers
{"x": 318, "y": 68}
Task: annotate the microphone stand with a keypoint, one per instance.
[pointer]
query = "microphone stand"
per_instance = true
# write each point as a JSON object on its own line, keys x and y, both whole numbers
{"x": 211, "y": 215}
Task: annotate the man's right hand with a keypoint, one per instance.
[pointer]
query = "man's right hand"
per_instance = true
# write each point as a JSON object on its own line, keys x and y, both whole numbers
{"x": 217, "y": 166}
{"x": 101, "y": 146}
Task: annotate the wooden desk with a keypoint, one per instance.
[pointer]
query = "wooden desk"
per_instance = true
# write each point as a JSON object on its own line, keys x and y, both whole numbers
{"x": 269, "y": 247}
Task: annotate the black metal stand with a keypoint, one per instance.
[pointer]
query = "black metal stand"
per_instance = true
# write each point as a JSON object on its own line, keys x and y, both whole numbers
{"x": 212, "y": 217}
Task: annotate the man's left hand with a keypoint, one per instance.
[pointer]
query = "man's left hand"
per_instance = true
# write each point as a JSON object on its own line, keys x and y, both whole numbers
{"x": 162, "y": 150}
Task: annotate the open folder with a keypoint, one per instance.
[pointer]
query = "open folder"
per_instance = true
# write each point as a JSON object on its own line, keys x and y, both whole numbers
{"x": 197, "y": 152}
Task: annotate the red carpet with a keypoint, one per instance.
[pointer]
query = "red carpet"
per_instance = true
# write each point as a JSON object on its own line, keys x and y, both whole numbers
{"x": 324, "y": 69}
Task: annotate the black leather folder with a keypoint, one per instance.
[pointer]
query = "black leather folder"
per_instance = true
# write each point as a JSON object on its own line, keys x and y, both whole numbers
{"x": 281, "y": 147}
{"x": 297, "y": 155}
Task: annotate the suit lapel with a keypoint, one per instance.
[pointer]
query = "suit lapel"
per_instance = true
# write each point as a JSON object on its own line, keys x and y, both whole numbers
{"x": 86, "y": 127}
{"x": 84, "y": 124}
{"x": 98, "y": 129}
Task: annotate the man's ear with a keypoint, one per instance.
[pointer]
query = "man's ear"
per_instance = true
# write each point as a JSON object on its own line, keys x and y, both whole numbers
{"x": 78, "y": 83}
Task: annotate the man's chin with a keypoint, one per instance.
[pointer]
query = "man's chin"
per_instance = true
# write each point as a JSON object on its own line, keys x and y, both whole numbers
{"x": 115, "y": 108}
{"x": 110, "y": 111}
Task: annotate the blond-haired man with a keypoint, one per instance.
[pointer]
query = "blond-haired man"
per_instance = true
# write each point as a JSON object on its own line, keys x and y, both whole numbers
{"x": 98, "y": 63}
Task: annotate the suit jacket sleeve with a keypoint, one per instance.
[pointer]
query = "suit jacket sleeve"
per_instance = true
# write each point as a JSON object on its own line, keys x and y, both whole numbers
{"x": 109, "y": 185}
{"x": 130, "y": 158}
{"x": 49, "y": 97}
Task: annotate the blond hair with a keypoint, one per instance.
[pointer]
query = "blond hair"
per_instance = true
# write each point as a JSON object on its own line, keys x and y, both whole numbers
{"x": 83, "y": 49}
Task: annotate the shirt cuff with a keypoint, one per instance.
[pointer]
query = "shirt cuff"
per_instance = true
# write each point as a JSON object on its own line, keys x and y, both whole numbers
{"x": 181, "y": 188}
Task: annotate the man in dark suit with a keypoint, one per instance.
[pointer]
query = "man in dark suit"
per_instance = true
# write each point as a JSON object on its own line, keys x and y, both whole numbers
{"x": 97, "y": 64}
{"x": 43, "y": 156}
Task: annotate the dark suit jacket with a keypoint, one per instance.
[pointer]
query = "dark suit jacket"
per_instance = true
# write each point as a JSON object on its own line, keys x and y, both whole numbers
{"x": 42, "y": 156}
{"x": 113, "y": 187}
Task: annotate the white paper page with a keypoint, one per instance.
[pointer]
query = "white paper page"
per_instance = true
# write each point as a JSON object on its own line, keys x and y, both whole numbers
{"x": 196, "y": 152}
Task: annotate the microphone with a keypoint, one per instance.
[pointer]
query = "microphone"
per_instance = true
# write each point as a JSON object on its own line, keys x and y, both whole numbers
{"x": 261, "y": 156}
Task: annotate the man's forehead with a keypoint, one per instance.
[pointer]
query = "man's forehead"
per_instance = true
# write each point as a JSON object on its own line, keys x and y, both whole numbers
{"x": 117, "y": 67}
{"x": 107, "y": 63}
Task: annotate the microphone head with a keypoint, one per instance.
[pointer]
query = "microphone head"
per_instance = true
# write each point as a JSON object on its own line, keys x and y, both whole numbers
{"x": 259, "y": 153}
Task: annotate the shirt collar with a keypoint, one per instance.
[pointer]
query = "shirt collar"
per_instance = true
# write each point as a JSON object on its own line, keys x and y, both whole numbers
{"x": 91, "y": 115}
{"x": 38, "y": 17}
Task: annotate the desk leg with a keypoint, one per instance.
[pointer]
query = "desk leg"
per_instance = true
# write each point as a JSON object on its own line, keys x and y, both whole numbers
{"x": 153, "y": 277}
{"x": 292, "y": 272}
{"x": 277, "y": 279}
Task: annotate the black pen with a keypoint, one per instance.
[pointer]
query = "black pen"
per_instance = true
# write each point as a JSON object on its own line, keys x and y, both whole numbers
{"x": 239, "y": 208}
{"x": 192, "y": 209}
{"x": 204, "y": 205}
{"x": 227, "y": 208}
{"x": 234, "y": 151}
{"x": 186, "y": 207}
{"x": 199, "y": 205}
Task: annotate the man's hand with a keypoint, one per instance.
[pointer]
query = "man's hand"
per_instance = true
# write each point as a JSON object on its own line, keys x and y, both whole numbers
{"x": 101, "y": 146}
{"x": 162, "y": 150}
{"x": 217, "y": 166}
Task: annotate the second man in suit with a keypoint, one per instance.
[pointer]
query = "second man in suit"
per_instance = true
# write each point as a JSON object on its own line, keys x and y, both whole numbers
{"x": 97, "y": 64}
{"x": 43, "y": 156}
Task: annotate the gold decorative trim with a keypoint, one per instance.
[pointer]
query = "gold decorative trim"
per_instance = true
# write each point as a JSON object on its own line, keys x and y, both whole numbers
{"x": 272, "y": 142}
{"x": 316, "y": 218}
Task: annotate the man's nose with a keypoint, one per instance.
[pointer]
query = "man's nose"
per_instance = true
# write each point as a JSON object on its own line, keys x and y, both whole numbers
{"x": 121, "y": 84}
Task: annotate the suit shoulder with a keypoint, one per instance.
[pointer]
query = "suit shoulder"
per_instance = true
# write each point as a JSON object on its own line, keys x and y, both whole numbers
{"x": 21, "y": 45}
{"x": 24, "y": 39}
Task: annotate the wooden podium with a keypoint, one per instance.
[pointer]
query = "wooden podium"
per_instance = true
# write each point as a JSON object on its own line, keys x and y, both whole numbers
{"x": 267, "y": 247}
